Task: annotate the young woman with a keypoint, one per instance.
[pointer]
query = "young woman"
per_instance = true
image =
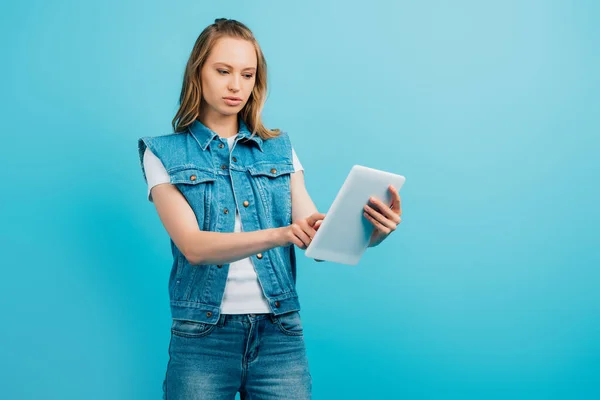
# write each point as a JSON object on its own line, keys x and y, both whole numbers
{"x": 227, "y": 189}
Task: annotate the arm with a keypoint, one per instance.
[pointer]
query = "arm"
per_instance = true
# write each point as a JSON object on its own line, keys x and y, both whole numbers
{"x": 302, "y": 204}
{"x": 201, "y": 247}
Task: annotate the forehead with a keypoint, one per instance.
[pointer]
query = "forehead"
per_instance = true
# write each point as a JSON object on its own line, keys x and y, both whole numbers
{"x": 239, "y": 53}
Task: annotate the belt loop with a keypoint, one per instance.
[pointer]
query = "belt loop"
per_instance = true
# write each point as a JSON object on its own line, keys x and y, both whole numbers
{"x": 221, "y": 320}
{"x": 272, "y": 317}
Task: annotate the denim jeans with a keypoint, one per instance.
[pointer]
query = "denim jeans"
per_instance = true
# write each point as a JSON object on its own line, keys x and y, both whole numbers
{"x": 261, "y": 356}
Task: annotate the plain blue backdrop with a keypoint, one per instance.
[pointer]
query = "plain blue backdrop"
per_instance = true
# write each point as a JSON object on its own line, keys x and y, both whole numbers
{"x": 489, "y": 289}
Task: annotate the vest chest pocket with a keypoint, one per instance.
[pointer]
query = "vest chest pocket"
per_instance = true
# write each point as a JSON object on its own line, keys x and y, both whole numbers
{"x": 272, "y": 180}
{"x": 196, "y": 184}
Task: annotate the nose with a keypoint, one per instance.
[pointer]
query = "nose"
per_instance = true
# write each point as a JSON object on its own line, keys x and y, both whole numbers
{"x": 234, "y": 83}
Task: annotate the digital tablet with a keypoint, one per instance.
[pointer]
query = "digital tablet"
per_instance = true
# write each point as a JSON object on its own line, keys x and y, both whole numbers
{"x": 344, "y": 234}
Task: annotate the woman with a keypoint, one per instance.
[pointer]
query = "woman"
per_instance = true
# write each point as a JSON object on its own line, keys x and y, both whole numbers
{"x": 227, "y": 189}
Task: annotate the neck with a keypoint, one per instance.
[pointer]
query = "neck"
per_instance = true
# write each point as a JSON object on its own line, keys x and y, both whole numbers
{"x": 224, "y": 125}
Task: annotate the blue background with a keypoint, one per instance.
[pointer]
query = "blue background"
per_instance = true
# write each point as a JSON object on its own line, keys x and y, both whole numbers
{"x": 488, "y": 290}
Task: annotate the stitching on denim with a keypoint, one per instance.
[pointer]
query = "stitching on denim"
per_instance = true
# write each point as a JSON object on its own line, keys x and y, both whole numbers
{"x": 287, "y": 332}
{"x": 205, "y": 332}
{"x": 188, "y": 289}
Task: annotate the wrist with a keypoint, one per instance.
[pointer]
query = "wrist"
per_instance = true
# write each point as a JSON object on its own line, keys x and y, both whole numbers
{"x": 275, "y": 237}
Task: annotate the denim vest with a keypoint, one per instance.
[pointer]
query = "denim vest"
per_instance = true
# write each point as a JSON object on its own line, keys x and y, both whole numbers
{"x": 254, "y": 178}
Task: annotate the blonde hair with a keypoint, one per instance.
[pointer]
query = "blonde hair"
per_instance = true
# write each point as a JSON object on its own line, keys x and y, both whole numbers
{"x": 191, "y": 90}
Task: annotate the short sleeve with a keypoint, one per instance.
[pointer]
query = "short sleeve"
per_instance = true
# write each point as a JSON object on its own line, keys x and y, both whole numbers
{"x": 155, "y": 171}
{"x": 297, "y": 165}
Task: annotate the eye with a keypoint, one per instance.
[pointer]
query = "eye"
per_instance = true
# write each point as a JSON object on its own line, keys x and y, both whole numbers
{"x": 222, "y": 70}
{"x": 248, "y": 76}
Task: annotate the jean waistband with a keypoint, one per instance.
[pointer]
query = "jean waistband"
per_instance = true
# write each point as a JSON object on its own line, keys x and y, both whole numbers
{"x": 243, "y": 317}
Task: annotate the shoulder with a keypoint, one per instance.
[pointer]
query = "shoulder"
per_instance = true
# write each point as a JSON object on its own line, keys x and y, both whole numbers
{"x": 279, "y": 147}
{"x": 281, "y": 135}
{"x": 153, "y": 142}
{"x": 159, "y": 143}
{"x": 282, "y": 140}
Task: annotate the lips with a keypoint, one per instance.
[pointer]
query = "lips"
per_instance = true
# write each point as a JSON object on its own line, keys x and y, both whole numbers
{"x": 232, "y": 101}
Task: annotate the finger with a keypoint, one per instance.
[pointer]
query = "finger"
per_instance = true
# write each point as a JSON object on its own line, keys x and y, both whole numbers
{"x": 397, "y": 201}
{"x": 380, "y": 218}
{"x": 294, "y": 239}
{"x": 301, "y": 235}
{"x": 377, "y": 225}
{"x": 317, "y": 225}
{"x": 298, "y": 242}
{"x": 314, "y": 218}
{"x": 385, "y": 210}
{"x": 308, "y": 229}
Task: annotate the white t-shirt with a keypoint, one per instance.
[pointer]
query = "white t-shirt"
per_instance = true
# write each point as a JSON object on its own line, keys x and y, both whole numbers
{"x": 243, "y": 293}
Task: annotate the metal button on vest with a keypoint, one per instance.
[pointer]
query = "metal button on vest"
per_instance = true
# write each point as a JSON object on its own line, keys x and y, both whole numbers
{"x": 246, "y": 203}
{"x": 221, "y": 145}
{"x": 223, "y": 166}
{"x": 209, "y": 314}
{"x": 277, "y": 304}
{"x": 234, "y": 159}
{"x": 193, "y": 177}
{"x": 273, "y": 170}
{"x": 226, "y": 211}
{"x": 259, "y": 256}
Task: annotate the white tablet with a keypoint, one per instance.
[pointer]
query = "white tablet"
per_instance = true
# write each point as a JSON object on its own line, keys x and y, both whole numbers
{"x": 344, "y": 234}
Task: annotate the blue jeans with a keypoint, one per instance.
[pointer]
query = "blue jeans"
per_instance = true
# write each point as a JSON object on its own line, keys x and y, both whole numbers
{"x": 261, "y": 356}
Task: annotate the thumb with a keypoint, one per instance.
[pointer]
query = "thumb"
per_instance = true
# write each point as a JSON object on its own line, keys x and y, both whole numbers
{"x": 314, "y": 218}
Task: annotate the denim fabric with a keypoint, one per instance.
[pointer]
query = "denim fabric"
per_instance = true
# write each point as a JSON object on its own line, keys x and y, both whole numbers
{"x": 254, "y": 178}
{"x": 262, "y": 356}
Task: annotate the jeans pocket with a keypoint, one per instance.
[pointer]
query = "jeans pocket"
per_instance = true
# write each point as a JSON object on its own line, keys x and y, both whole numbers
{"x": 191, "y": 329}
{"x": 290, "y": 323}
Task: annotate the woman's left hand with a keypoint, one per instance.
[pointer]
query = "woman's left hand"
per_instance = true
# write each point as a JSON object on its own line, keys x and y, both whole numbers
{"x": 385, "y": 218}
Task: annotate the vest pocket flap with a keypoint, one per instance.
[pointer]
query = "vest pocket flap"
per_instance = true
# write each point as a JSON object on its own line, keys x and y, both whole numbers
{"x": 271, "y": 169}
{"x": 190, "y": 175}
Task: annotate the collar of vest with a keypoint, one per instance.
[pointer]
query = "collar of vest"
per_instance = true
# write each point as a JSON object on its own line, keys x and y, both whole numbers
{"x": 204, "y": 135}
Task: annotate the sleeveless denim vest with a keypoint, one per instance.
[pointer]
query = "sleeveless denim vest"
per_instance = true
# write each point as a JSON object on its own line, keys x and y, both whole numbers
{"x": 254, "y": 178}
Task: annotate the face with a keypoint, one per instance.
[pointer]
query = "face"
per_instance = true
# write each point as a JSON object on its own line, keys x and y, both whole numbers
{"x": 229, "y": 71}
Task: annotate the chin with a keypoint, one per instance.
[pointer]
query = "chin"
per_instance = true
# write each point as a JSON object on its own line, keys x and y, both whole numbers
{"x": 230, "y": 111}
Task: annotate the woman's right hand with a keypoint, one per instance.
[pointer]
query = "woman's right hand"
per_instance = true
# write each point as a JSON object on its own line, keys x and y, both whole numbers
{"x": 301, "y": 231}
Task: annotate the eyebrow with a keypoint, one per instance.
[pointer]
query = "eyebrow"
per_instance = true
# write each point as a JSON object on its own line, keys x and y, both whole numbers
{"x": 227, "y": 65}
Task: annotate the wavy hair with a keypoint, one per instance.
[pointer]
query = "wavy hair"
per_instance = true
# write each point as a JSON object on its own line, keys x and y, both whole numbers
{"x": 190, "y": 99}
